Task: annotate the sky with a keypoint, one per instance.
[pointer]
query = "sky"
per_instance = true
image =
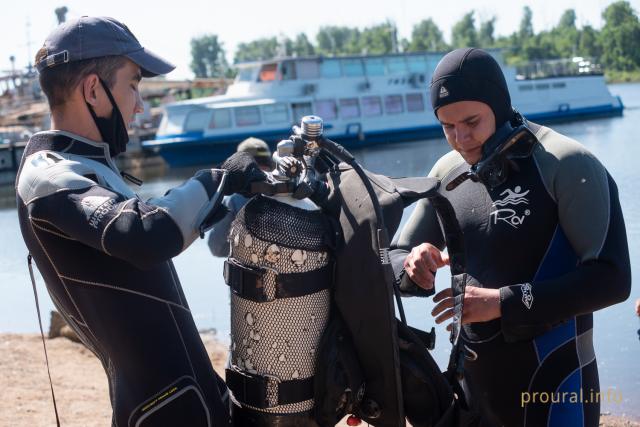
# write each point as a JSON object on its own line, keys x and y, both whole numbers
{"x": 167, "y": 27}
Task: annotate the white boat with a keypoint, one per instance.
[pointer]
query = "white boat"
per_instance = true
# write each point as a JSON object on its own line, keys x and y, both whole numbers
{"x": 363, "y": 100}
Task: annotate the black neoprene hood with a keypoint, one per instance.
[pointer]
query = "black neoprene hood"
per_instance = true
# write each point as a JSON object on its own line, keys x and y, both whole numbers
{"x": 471, "y": 74}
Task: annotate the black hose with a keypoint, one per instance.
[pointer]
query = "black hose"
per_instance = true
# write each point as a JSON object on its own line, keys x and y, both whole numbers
{"x": 381, "y": 232}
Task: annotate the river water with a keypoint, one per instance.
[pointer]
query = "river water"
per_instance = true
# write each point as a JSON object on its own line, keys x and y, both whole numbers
{"x": 613, "y": 140}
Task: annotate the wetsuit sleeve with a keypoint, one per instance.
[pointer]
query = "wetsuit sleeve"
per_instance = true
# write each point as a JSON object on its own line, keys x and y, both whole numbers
{"x": 218, "y": 237}
{"x": 65, "y": 198}
{"x": 591, "y": 218}
{"x": 423, "y": 226}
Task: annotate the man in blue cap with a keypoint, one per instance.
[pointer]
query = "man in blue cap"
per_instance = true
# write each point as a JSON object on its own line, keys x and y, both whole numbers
{"x": 104, "y": 253}
{"x": 544, "y": 247}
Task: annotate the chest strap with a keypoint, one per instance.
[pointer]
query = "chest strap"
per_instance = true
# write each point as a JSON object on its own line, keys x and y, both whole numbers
{"x": 267, "y": 391}
{"x": 248, "y": 283}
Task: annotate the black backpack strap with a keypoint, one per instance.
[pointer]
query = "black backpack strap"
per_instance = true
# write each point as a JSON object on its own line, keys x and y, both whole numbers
{"x": 248, "y": 282}
{"x": 455, "y": 243}
{"x": 267, "y": 391}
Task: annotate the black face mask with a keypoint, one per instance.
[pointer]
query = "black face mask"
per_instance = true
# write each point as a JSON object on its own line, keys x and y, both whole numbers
{"x": 112, "y": 129}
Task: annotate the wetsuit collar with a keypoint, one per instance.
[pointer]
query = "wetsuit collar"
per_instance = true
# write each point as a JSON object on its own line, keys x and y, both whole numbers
{"x": 68, "y": 142}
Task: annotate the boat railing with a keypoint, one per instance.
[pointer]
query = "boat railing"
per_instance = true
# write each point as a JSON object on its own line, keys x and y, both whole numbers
{"x": 576, "y": 66}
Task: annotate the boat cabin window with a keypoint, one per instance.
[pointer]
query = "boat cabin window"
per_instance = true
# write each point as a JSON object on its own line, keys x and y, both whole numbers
{"x": 268, "y": 72}
{"x": 173, "y": 120}
{"x": 246, "y": 74}
{"x": 352, "y": 67}
{"x": 559, "y": 85}
{"x": 327, "y": 109}
{"x": 309, "y": 69}
{"x": 374, "y": 66}
{"x": 393, "y": 104}
{"x": 396, "y": 65}
{"x": 247, "y": 116}
{"x": 275, "y": 113}
{"x": 197, "y": 120}
{"x": 300, "y": 109}
{"x": 220, "y": 119}
{"x": 415, "y": 102}
{"x": 330, "y": 68}
{"x": 417, "y": 63}
{"x": 349, "y": 108}
{"x": 288, "y": 70}
{"x": 371, "y": 106}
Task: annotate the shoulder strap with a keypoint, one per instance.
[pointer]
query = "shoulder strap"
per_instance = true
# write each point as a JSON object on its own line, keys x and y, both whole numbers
{"x": 455, "y": 244}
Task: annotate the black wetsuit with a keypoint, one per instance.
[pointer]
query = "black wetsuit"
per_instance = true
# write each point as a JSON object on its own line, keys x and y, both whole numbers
{"x": 552, "y": 239}
{"x": 105, "y": 256}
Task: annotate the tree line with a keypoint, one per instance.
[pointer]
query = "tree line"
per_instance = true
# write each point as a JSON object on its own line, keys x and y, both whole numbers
{"x": 616, "y": 45}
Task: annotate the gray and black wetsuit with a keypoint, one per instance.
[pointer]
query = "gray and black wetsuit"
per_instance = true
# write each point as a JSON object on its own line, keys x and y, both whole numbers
{"x": 105, "y": 256}
{"x": 552, "y": 239}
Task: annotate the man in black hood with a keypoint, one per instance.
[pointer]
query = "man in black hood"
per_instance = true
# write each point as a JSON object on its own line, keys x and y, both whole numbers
{"x": 545, "y": 246}
{"x": 104, "y": 253}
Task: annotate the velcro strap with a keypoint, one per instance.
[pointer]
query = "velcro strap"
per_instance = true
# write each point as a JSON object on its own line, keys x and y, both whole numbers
{"x": 248, "y": 283}
{"x": 244, "y": 281}
{"x": 267, "y": 391}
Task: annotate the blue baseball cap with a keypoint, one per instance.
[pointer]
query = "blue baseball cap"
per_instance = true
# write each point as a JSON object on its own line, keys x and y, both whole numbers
{"x": 94, "y": 37}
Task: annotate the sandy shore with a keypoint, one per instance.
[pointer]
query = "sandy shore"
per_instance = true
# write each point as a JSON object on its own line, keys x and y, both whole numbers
{"x": 80, "y": 383}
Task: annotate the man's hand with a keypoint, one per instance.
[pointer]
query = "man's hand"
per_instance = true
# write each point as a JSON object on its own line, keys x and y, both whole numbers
{"x": 422, "y": 263}
{"x": 242, "y": 170}
{"x": 480, "y": 305}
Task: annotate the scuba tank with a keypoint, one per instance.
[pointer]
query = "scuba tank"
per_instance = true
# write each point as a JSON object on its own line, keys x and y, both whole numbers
{"x": 280, "y": 272}
{"x": 313, "y": 330}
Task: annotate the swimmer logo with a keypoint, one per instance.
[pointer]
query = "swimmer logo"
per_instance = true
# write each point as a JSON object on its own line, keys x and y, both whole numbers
{"x": 527, "y": 295}
{"x": 509, "y": 215}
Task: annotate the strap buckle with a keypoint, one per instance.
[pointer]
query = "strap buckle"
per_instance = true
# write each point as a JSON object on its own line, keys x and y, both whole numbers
{"x": 245, "y": 282}
{"x": 271, "y": 390}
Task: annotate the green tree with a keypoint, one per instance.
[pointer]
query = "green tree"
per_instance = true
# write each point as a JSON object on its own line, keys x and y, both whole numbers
{"x": 208, "y": 56}
{"x": 426, "y": 36}
{"x": 526, "y": 24}
{"x": 301, "y": 46}
{"x": 379, "y": 39}
{"x": 540, "y": 46}
{"x": 566, "y": 36}
{"x": 257, "y": 50}
{"x": 464, "y": 32}
{"x": 333, "y": 40}
{"x": 568, "y": 19}
{"x": 620, "y": 37}
{"x": 485, "y": 34}
{"x": 589, "y": 43}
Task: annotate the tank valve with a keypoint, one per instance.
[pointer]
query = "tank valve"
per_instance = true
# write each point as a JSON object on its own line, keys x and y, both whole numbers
{"x": 311, "y": 127}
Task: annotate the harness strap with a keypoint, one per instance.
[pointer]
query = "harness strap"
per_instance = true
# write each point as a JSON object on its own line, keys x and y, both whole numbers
{"x": 46, "y": 357}
{"x": 454, "y": 239}
{"x": 267, "y": 391}
{"x": 248, "y": 283}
